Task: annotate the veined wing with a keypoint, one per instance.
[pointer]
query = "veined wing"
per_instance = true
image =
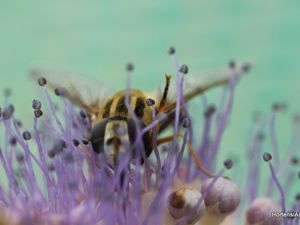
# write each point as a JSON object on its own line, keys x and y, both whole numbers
{"x": 83, "y": 91}
{"x": 198, "y": 84}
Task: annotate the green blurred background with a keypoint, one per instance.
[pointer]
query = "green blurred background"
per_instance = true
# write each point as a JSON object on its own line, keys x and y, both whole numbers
{"x": 99, "y": 37}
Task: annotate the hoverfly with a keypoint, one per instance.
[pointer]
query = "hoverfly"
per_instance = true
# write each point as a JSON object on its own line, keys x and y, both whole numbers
{"x": 109, "y": 114}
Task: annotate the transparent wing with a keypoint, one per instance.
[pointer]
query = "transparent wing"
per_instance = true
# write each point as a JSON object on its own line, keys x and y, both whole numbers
{"x": 198, "y": 84}
{"x": 83, "y": 91}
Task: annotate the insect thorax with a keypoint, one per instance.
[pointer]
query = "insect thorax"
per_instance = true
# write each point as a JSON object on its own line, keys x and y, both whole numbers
{"x": 116, "y": 106}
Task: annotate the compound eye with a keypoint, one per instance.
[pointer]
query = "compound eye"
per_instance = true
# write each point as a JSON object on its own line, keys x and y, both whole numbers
{"x": 132, "y": 131}
{"x": 97, "y": 136}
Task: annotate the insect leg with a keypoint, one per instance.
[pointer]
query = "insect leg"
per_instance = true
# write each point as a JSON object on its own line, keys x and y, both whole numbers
{"x": 198, "y": 162}
{"x": 193, "y": 153}
{"x": 167, "y": 139}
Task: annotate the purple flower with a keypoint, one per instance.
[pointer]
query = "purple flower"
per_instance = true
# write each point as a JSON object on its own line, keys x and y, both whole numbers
{"x": 54, "y": 177}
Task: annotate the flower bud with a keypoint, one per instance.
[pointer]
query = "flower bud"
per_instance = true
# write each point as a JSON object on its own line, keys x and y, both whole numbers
{"x": 260, "y": 211}
{"x": 184, "y": 202}
{"x": 224, "y": 193}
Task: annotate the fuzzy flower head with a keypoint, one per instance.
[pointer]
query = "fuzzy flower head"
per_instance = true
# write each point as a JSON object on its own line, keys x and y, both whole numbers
{"x": 55, "y": 174}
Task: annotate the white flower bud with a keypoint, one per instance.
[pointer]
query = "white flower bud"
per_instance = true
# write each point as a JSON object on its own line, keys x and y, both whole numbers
{"x": 224, "y": 194}
{"x": 260, "y": 211}
{"x": 184, "y": 202}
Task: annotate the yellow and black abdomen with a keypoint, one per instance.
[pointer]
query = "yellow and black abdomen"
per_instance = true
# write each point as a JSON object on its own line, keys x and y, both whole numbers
{"x": 115, "y": 116}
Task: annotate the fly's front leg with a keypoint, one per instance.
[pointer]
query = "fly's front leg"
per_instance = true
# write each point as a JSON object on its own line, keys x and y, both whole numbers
{"x": 198, "y": 163}
{"x": 167, "y": 139}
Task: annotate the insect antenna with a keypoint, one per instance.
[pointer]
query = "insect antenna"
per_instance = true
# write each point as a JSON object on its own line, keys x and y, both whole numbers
{"x": 165, "y": 94}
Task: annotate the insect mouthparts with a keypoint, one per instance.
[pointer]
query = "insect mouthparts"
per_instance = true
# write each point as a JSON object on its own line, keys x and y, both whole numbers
{"x": 113, "y": 141}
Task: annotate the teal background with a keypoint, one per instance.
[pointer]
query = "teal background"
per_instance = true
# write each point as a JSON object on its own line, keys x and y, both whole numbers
{"x": 100, "y": 37}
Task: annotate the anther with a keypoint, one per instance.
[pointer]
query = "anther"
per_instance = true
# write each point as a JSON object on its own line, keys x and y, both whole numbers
{"x": 20, "y": 157}
{"x": 82, "y": 114}
{"x": 51, "y": 167}
{"x": 86, "y": 138}
{"x": 8, "y": 112}
{"x": 51, "y": 154}
{"x": 38, "y": 113}
{"x": 26, "y": 135}
{"x": 232, "y": 64}
{"x": 36, "y": 104}
{"x": 76, "y": 142}
{"x": 129, "y": 67}
{"x": 186, "y": 123}
{"x": 13, "y": 141}
{"x": 42, "y": 81}
{"x": 210, "y": 111}
{"x": 267, "y": 156}
{"x": 60, "y": 91}
{"x": 228, "y": 164}
{"x": 85, "y": 141}
{"x": 59, "y": 146}
{"x": 279, "y": 106}
{"x": 171, "y": 50}
{"x": 246, "y": 67}
{"x": 184, "y": 69}
{"x": 19, "y": 123}
{"x": 150, "y": 102}
{"x": 294, "y": 160}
